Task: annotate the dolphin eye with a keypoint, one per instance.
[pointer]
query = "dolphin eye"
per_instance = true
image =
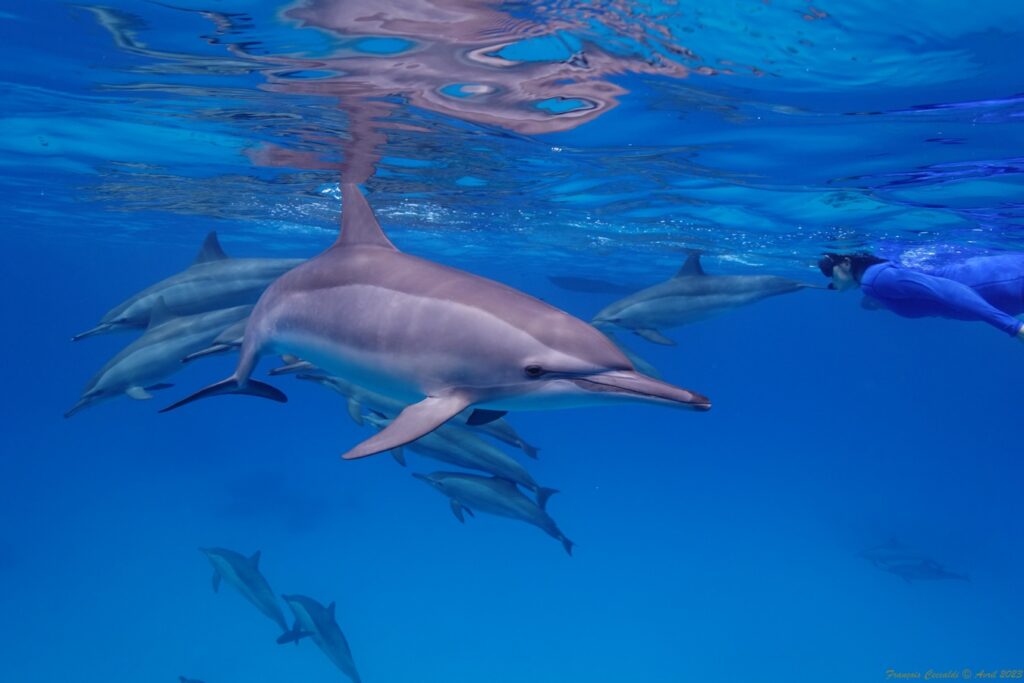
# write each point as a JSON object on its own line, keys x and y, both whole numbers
{"x": 533, "y": 370}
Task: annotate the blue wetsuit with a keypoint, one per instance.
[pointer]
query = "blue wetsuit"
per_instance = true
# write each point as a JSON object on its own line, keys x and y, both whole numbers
{"x": 986, "y": 288}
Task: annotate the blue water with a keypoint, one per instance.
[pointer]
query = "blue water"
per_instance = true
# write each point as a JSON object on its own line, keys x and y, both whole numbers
{"x": 597, "y": 140}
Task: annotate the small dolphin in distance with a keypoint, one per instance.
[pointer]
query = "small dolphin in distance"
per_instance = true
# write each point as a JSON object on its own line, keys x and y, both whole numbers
{"x": 182, "y": 679}
{"x": 358, "y": 398}
{"x": 213, "y": 281}
{"x": 460, "y": 447}
{"x": 318, "y": 622}
{"x": 138, "y": 368}
{"x": 922, "y": 570}
{"x": 243, "y": 574}
{"x": 431, "y": 336}
{"x": 892, "y": 550}
{"x": 469, "y": 492}
{"x": 690, "y": 296}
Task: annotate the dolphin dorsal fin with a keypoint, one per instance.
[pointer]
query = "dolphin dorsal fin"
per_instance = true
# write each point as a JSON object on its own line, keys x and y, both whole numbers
{"x": 211, "y": 250}
{"x": 330, "y": 610}
{"x": 358, "y": 224}
{"x": 255, "y": 560}
{"x": 159, "y": 314}
{"x": 692, "y": 266}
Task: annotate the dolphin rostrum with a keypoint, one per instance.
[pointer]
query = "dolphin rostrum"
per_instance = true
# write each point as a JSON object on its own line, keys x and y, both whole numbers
{"x": 691, "y": 295}
{"x": 157, "y": 354}
{"x": 460, "y": 447}
{"x": 358, "y": 397}
{"x": 469, "y": 492}
{"x": 316, "y": 621}
{"x": 243, "y": 573}
{"x": 432, "y": 336}
{"x": 212, "y": 282}
{"x": 230, "y": 338}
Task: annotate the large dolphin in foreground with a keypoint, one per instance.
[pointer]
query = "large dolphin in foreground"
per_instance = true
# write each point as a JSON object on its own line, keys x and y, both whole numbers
{"x": 316, "y": 621}
{"x": 358, "y": 398}
{"x": 137, "y": 369}
{"x": 243, "y": 573}
{"x": 469, "y": 492}
{"x": 431, "y": 336}
{"x": 691, "y": 295}
{"x": 460, "y": 447}
{"x": 212, "y": 282}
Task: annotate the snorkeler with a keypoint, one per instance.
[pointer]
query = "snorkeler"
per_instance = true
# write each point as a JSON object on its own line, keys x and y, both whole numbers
{"x": 986, "y": 288}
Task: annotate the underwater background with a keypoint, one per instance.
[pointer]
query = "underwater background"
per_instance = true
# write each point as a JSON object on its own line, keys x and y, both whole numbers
{"x": 560, "y": 139}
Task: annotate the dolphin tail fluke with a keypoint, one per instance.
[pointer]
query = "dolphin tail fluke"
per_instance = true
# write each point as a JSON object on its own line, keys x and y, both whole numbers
{"x": 531, "y": 451}
{"x": 567, "y": 544}
{"x": 232, "y": 386}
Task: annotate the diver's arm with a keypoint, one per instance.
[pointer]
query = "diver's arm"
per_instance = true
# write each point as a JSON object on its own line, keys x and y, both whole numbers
{"x": 948, "y": 298}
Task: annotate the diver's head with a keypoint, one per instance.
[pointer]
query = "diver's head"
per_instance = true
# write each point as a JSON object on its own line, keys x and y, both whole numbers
{"x": 846, "y": 270}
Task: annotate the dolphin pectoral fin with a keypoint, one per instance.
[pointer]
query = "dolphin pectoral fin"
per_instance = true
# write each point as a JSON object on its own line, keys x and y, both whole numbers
{"x": 482, "y": 417}
{"x": 399, "y": 457}
{"x": 355, "y": 411}
{"x": 654, "y": 337}
{"x": 415, "y": 421}
{"x": 138, "y": 393}
{"x": 294, "y": 366}
{"x": 231, "y": 386}
{"x": 542, "y": 497}
{"x": 208, "y": 351}
{"x": 457, "y": 510}
{"x": 216, "y": 581}
{"x": 293, "y": 636}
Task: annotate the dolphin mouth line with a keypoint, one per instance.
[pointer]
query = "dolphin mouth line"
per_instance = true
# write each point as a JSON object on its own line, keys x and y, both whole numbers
{"x": 688, "y": 399}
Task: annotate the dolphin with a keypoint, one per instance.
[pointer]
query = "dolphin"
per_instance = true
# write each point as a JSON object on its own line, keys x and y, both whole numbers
{"x": 244, "y": 574}
{"x": 460, "y": 447}
{"x": 691, "y": 295}
{"x": 358, "y": 397}
{"x": 316, "y": 621}
{"x": 230, "y": 338}
{"x": 892, "y": 550}
{"x": 157, "y": 354}
{"x": 212, "y": 282}
{"x": 469, "y": 492}
{"x": 922, "y": 570}
{"x": 182, "y": 679}
{"x": 431, "y": 336}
